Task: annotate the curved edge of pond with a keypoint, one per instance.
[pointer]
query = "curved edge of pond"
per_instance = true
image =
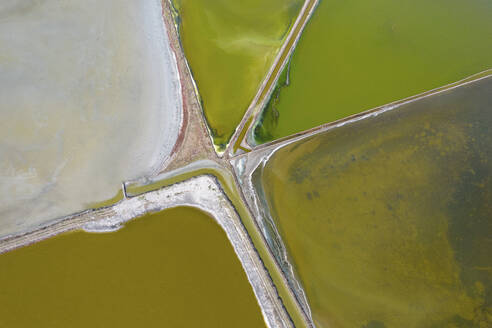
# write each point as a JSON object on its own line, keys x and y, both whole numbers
{"x": 204, "y": 185}
{"x": 248, "y": 169}
{"x": 231, "y": 188}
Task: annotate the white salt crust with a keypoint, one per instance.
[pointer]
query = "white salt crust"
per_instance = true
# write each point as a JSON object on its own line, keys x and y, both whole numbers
{"x": 89, "y": 97}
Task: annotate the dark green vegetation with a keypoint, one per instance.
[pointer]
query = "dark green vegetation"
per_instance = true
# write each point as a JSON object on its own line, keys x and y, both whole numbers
{"x": 355, "y": 55}
{"x": 388, "y": 221}
{"x": 268, "y": 121}
{"x": 171, "y": 269}
{"x": 230, "y": 46}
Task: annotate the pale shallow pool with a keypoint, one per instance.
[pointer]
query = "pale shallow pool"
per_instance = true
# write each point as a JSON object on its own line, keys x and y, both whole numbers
{"x": 89, "y": 97}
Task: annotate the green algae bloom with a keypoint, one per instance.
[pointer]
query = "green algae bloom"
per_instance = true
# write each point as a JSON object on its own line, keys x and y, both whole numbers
{"x": 230, "y": 46}
{"x": 387, "y": 220}
{"x": 356, "y": 55}
{"x": 175, "y": 268}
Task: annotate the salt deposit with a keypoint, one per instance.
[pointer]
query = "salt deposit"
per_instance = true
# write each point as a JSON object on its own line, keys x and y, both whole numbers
{"x": 89, "y": 97}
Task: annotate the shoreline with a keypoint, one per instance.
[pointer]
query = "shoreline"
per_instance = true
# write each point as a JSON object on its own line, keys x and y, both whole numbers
{"x": 250, "y": 117}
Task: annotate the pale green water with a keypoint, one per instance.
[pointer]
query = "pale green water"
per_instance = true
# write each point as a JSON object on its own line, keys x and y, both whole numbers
{"x": 230, "y": 46}
{"x": 355, "y": 55}
{"x": 175, "y": 268}
{"x": 388, "y": 221}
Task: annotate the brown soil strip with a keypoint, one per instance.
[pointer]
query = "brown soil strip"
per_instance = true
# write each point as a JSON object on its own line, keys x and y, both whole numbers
{"x": 194, "y": 142}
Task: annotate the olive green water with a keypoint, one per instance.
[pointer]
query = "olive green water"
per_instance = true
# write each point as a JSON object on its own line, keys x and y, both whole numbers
{"x": 355, "y": 55}
{"x": 388, "y": 221}
{"x": 171, "y": 269}
{"x": 230, "y": 45}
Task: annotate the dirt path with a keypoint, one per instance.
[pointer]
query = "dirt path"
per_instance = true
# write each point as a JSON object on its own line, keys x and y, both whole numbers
{"x": 238, "y": 140}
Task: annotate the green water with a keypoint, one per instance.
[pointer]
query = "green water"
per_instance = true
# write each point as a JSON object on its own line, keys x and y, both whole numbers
{"x": 230, "y": 45}
{"x": 228, "y": 184}
{"x": 387, "y": 221}
{"x": 171, "y": 269}
{"x": 356, "y": 54}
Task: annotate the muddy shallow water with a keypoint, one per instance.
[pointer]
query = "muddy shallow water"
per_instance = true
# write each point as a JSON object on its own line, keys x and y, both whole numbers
{"x": 387, "y": 221}
{"x": 175, "y": 268}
